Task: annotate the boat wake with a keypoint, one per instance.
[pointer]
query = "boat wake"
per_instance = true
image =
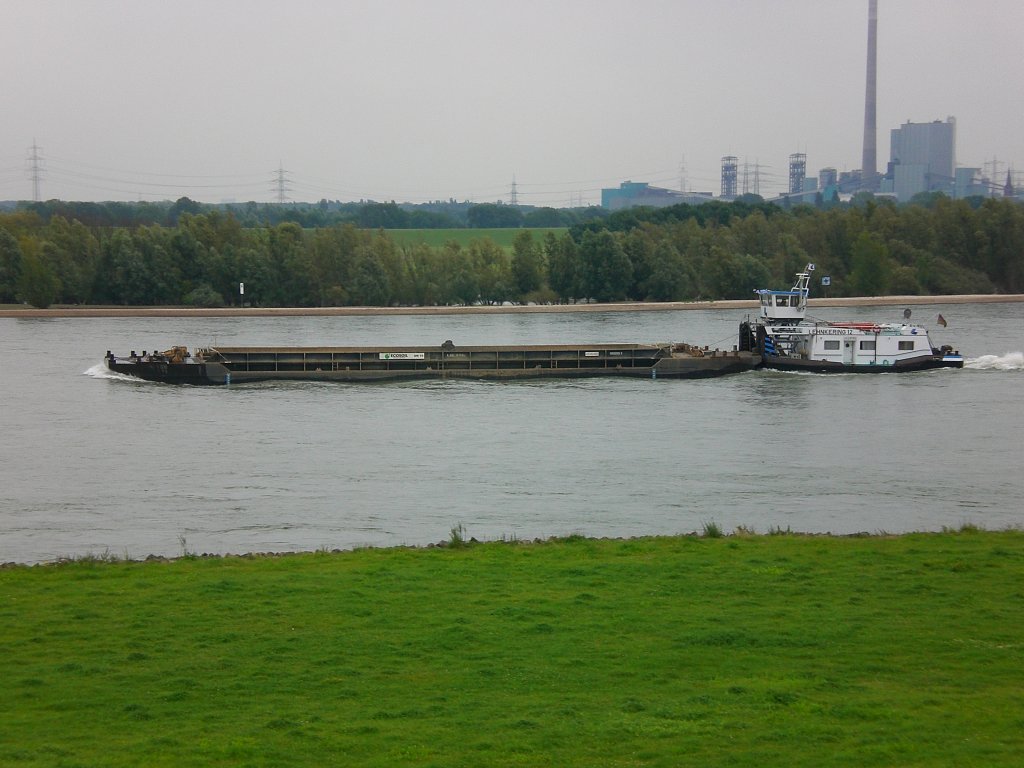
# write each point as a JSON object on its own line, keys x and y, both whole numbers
{"x": 1011, "y": 361}
{"x": 100, "y": 371}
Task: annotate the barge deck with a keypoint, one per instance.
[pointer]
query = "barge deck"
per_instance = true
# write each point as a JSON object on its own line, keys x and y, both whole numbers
{"x": 236, "y": 365}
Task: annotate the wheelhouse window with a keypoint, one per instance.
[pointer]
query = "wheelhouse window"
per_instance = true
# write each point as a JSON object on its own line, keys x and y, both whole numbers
{"x": 867, "y": 344}
{"x": 831, "y": 343}
{"x": 905, "y": 345}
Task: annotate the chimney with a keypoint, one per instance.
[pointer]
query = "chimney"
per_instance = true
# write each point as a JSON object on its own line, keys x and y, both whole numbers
{"x": 869, "y": 161}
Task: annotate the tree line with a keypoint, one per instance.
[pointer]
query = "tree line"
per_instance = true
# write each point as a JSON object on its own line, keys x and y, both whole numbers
{"x": 713, "y": 251}
{"x": 441, "y": 214}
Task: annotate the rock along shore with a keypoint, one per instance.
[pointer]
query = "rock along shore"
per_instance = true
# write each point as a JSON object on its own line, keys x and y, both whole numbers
{"x": 62, "y": 311}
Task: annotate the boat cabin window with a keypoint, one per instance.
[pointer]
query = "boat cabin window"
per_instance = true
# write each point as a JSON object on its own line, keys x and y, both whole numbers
{"x": 831, "y": 343}
{"x": 907, "y": 344}
{"x": 780, "y": 300}
{"x": 867, "y": 344}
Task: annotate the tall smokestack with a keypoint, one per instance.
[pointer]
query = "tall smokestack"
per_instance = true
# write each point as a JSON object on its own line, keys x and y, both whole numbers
{"x": 869, "y": 162}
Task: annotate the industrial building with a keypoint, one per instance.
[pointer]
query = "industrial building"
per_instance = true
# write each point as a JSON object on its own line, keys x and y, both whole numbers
{"x": 922, "y": 158}
{"x": 631, "y": 194}
{"x": 729, "y": 176}
{"x": 969, "y": 182}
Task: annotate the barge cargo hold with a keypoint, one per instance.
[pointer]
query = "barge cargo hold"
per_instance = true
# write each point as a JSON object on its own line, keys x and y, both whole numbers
{"x": 237, "y": 365}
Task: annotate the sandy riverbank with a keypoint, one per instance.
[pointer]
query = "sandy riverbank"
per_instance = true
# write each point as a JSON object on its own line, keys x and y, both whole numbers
{"x": 617, "y": 307}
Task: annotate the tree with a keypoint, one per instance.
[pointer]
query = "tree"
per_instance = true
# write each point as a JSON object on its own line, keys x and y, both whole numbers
{"x": 544, "y": 217}
{"x": 527, "y": 263}
{"x": 1002, "y": 222}
{"x": 386, "y": 251}
{"x": 756, "y": 235}
{"x": 189, "y": 255}
{"x": 72, "y": 252}
{"x": 607, "y": 271}
{"x": 10, "y": 267}
{"x": 494, "y": 216}
{"x": 563, "y": 266}
{"x": 121, "y": 276}
{"x": 789, "y": 259}
{"x": 713, "y": 250}
{"x": 871, "y": 269}
{"x": 639, "y": 246}
{"x": 459, "y": 283}
{"x": 250, "y": 265}
{"x": 734, "y": 275}
{"x": 37, "y": 285}
{"x": 182, "y": 205}
{"x": 370, "y": 285}
{"x": 422, "y": 272}
{"x": 670, "y": 279}
{"x": 163, "y": 279}
{"x": 493, "y": 270}
{"x": 383, "y": 216}
{"x": 903, "y": 281}
{"x": 203, "y": 295}
{"x": 331, "y": 259}
{"x": 289, "y": 265}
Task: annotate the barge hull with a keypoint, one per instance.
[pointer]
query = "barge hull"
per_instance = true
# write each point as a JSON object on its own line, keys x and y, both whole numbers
{"x": 365, "y": 364}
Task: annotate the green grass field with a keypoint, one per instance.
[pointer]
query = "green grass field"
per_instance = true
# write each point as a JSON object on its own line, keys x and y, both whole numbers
{"x": 735, "y": 651}
{"x": 438, "y": 237}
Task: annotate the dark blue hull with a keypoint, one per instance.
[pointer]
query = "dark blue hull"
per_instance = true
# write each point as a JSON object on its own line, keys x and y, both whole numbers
{"x": 779, "y": 363}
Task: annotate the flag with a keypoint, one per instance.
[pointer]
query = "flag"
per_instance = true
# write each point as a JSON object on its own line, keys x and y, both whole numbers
{"x": 941, "y": 321}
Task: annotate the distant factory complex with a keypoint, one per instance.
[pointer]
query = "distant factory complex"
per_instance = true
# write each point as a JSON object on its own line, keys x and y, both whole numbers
{"x": 922, "y": 158}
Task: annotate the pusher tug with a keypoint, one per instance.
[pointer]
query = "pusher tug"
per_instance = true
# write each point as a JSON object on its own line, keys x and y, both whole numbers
{"x": 786, "y": 340}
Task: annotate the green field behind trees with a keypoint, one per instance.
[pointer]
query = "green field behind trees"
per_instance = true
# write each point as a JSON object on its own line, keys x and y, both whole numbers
{"x": 740, "y": 650}
{"x": 712, "y": 251}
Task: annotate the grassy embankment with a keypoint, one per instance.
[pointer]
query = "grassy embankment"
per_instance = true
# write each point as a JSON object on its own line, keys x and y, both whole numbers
{"x": 764, "y": 650}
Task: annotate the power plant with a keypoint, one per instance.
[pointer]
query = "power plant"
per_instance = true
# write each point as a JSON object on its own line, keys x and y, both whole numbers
{"x": 922, "y": 159}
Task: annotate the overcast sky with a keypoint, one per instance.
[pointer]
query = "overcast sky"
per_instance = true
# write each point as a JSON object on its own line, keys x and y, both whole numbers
{"x": 416, "y": 100}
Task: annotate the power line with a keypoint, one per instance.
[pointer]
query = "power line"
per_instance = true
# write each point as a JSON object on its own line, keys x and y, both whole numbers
{"x": 139, "y": 183}
{"x": 35, "y": 167}
{"x": 284, "y": 188}
{"x": 281, "y": 184}
{"x": 136, "y": 172}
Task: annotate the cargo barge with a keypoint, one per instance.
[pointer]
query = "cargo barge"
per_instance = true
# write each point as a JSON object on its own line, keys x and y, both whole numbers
{"x": 237, "y": 365}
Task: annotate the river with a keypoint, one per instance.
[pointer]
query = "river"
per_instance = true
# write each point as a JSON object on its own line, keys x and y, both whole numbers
{"x": 95, "y": 464}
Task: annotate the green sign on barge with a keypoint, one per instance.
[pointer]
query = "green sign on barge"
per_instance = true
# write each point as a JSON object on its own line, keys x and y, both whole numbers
{"x": 237, "y": 365}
